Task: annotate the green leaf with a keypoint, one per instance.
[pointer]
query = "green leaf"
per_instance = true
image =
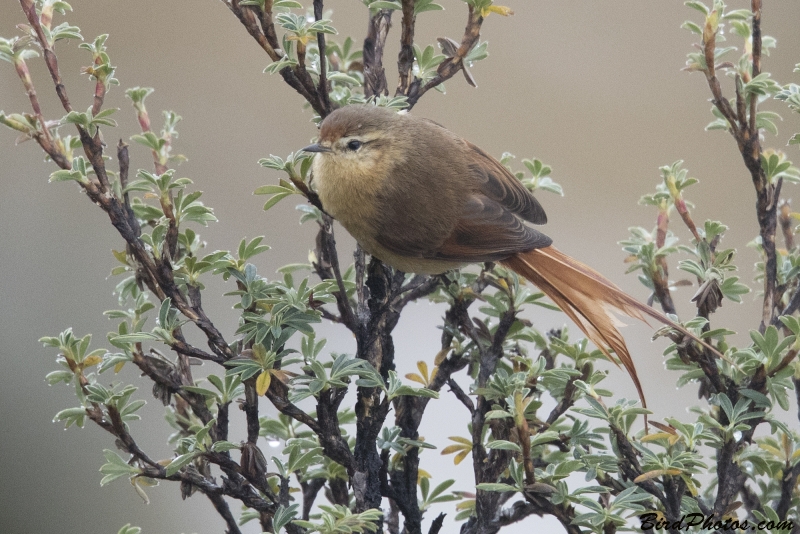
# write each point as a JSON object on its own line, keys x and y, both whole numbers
{"x": 503, "y": 445}
{"x": 283, "y": 516}
{"x": 275, "y": 199}
{"x": 115, "y": 467}
{"x": 385, "y": 4}
{"x": 699, "y": 6}
{"x": 496, "y": 487}
{"x": 59, "y": 376}
{"x": 178, "y": 462}
{"x": 64, "y": 176}
{"x": 71, "y": 416}
{"x": 732, "y": 289}
{"x": 301, "y": 461}
{"x": 420, "y": 6}
{"x": 137, "y": 337}
{"x": 544, "y": 437}
{"x": 346, "y": 79}
{"x": 271, "y": 189}
{"x": 223, "y": 446}
{"x": 692, "y": 27}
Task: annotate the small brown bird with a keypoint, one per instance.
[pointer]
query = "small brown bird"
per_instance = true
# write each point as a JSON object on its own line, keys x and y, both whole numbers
{"x": 423, "y": 200}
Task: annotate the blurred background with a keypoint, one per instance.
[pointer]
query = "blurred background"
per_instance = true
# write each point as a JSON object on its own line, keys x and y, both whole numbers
{"x": 594, "y": 89}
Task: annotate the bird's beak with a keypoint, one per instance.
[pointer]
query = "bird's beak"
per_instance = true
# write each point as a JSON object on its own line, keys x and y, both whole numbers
{"x": 316, "y": 147}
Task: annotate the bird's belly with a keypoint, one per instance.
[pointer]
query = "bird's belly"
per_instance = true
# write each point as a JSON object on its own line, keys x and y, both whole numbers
{"x": 364, "y": 232}
{"x": 360, "y": 220}
{"x": 353, "y": 202}
{"x": 411, "y": 264}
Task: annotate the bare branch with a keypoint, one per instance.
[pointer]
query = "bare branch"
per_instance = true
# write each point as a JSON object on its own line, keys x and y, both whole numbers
{"x": 405, "y": 59}
{"x": 327, "y": 267}
{"x": 450, "y": 66}
{"x": 322, "y": 86}
{"x": 222, "y": 508}
{"x": 417, "y": 288}
{"x": 262, "y": 29}
{"x": 374, "y": 75}
{"x": 50, "y": 59}
{"x": 461, "y": 396}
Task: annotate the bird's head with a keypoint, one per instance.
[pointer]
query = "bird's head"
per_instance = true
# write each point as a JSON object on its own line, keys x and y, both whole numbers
{"x": 358, "y": 137}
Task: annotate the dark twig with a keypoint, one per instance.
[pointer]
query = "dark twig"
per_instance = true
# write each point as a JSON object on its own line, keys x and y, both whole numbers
{"x": 191, "y": 477}
{"x": 310, "y": 490}
{"x": 181, "y": 347}
{"x": 322, "y": 86}
{"x": 629, "y": 463}
{"x": 374, "y": 74}
{"x": 747, "y": 139}
{"x": 159, "y": 278}
{"x": 124, "y": 439}
{"x": 405, "y": 59}
{"x": 791, "y": 307}
{"x": 785, "y": 219}
{"x": 124, "y": 164}
{"x": 43, "y": 136}
{"x": 450, "y": 66}
{"x": 417, "y": 288}
{"x": 755, "y": 7}
{"x": 50, "y": 59}
{"x": 222, "y": 508}
{"x": 796, "y": 383}
{"x": 262, "y": 29}
{"x": 333, "y": 443}
{"x": 327, "y": 267}
{"x": 461, "y": 396}
{"x": 788, "y": 485}
{"x": 741, "y": 110}
{"x": 541, "y": 505}
{"x": 661, "y": 275}
{"x": 568, "y": 399}
{"x": 746, "y": 134}
{"x": 436, "y": 524}
{"x": 250, "y": 408}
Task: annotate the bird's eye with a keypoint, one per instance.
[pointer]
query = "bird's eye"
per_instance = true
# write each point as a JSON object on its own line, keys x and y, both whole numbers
{"x": 354, "y": 145}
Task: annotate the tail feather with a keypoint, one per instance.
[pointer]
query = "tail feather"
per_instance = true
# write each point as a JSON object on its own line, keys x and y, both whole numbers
{"x": 589, "y": 299}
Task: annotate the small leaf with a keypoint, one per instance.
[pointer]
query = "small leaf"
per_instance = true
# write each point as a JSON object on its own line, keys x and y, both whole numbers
{"x": 263, "y": 382}
{"x": 176, "y": 464}
{"x": 223, "y": 446}
{"x": 503, "y": 445}
{"x": 496, "y": 487}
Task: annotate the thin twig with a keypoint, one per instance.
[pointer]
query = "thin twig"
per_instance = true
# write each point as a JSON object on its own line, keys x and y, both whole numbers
{"x": 268, "y": 42}
{"x": 405, "y": 59}
{"x": 461, "y": 396}
{"x": 221, "y": 505}
{"x": 660, "y": 277}
{"x": 327, "y": 267}
{"x": 50, "y": 59}
{"x": 374, "y": 74}
{"x": 322, "y": 86}
{"x": 450, "y": 66}
{"x": 419, "y": 287}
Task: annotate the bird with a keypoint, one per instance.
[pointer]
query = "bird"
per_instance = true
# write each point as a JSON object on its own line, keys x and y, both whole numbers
{"x": 423, "y": 200}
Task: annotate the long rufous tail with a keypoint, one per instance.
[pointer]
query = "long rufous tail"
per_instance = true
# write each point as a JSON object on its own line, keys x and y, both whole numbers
{"x": 589, "y": 299}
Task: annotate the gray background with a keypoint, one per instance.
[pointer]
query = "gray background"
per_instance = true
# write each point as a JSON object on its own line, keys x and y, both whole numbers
{"x": 592, "y": 88}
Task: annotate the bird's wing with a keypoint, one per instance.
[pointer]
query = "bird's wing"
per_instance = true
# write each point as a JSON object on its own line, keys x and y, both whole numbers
{"x": 486, "y": 231}
{"x": 498, "y": 184}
